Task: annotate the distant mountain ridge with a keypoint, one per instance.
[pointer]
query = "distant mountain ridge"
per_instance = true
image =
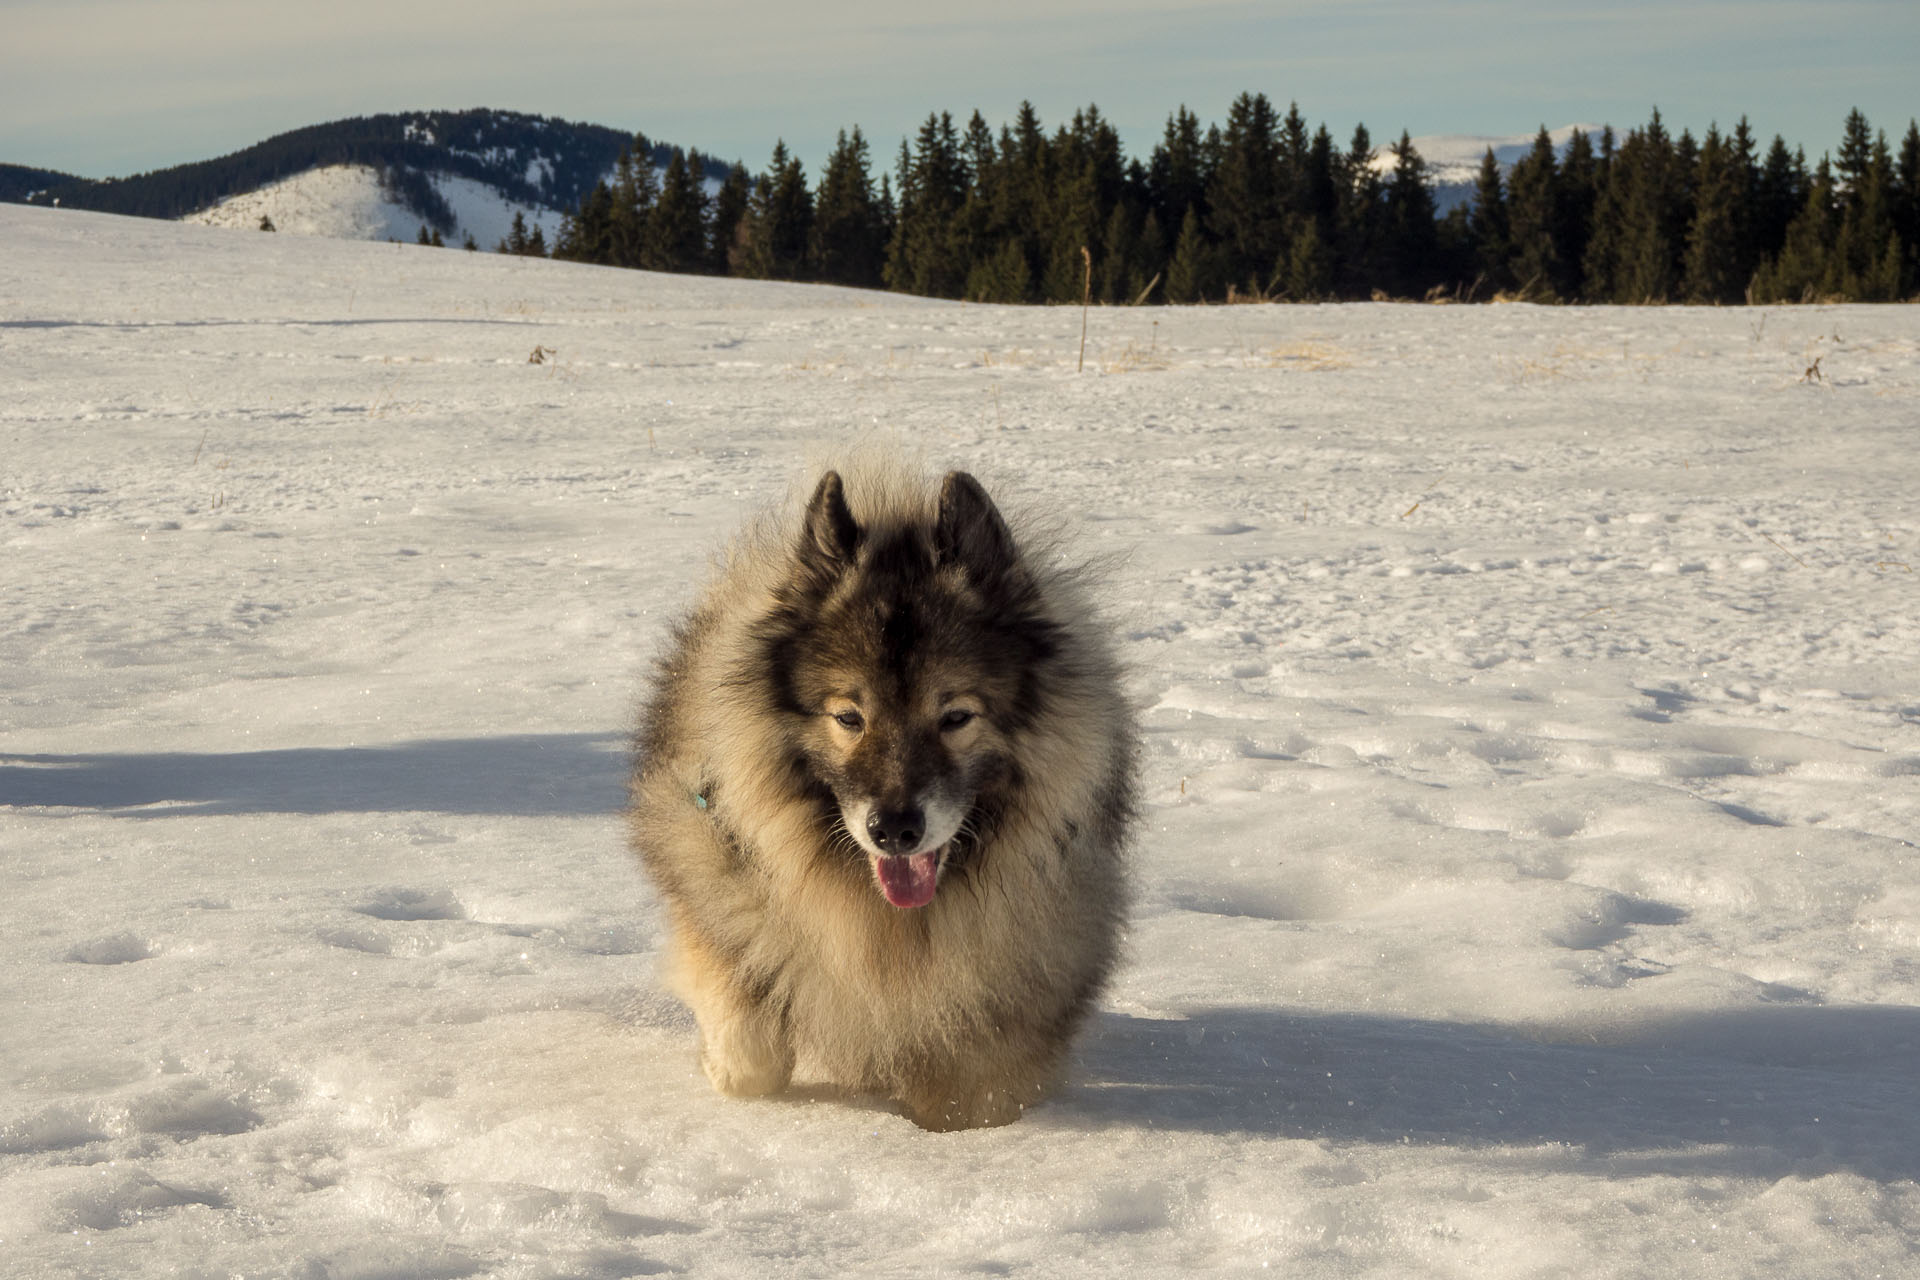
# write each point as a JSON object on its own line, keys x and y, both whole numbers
{"x": 1453, "y": 160}
{"x": 537, "y": 161}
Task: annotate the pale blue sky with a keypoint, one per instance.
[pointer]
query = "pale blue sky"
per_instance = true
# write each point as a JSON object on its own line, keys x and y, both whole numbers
{"x": 111, "y": 87}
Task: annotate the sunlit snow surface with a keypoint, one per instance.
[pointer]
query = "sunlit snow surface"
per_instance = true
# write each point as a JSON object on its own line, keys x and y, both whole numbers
{"x": 1531, "y": 697}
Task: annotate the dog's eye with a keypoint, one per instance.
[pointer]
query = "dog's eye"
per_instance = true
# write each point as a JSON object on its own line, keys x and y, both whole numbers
{"x": 849, "y": 720}
{"x": 955, "y": 718}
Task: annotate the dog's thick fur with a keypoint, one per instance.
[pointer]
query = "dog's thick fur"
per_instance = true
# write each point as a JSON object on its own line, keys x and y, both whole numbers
{"x": 883, "y": 783}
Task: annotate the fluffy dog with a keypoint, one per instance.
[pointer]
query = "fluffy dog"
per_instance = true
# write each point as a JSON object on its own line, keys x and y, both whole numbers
{"x": 883, "y": 783}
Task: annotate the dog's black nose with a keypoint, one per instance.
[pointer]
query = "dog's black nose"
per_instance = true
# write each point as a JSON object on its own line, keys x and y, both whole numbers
{"x": 896, "y": 830}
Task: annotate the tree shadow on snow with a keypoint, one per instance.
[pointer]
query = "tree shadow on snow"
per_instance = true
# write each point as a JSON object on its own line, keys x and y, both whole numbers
{"x": 527, "y": 774}
{"x": 1768, "y": 1092}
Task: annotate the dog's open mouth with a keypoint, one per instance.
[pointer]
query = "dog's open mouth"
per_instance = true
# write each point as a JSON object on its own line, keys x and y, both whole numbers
{"x": 908, "y": 880}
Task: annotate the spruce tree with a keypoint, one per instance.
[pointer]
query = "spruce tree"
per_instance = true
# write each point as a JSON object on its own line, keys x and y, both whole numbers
{"x": 674, "y": 238}
{"x": 1489, "y": 230}
{"x": 587, "y": 233}
{"x": 1803, "y": 270}
{"x": 931, "y": 190}
{"x": 849, "y": 246}
{"x": 1534, "y": 264}
{"x": 1779, "y": 195}
{"x": 1247, "y": 216}
{"x": 780, "y": 220}
{"x": 726, "y": 230}
{"x": 1576, "y": 194}
{"x": 1906, "y": 207}
{"x": 1652, "y": 178}
{"x": 1177, "y": 173}
{"x": 1745, "y": 167}
{"x": 1191, "y": 272}
{"x": 636, "y": 187}
{"x": 1359, "y": 230}
{"x": 1002, "y": 277}
{"x": 1712, "y": 267}
{"x": 1412, "y": 241}
{"x": 1867, "y": 251}
{"x": 1309, "y": 273}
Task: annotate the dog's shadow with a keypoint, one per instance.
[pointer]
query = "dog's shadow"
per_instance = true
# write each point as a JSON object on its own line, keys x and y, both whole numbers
{"x": 1768, "y": 1091}
{"x": 529, "y": 774}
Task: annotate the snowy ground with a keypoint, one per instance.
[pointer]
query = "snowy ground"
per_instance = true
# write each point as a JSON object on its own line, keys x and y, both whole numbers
{"x": 346, "y": 201}
{"x": 1532, "y": 709}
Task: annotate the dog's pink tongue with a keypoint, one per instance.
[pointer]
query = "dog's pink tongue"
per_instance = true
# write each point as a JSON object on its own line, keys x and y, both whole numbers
{"x": 908, "y": 881}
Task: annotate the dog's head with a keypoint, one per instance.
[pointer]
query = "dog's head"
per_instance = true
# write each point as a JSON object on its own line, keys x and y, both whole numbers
{"x": 909, "y": 652}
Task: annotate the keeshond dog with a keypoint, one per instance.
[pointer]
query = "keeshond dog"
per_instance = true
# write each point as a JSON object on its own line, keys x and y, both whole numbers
{"x": 883, "y": 783}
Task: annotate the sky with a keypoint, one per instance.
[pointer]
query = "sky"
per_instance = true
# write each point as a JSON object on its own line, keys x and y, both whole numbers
{"x": 112, "y": 87}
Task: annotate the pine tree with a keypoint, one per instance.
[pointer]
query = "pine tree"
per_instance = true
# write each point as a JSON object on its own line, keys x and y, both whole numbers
{"x": 437, "y": 240}
{"x": 423, "y": 238}
{"x": 516, "y": 241}
{"x": 1534, "y": 264}
{"x": 536, "y": 246}
{"x": 1489, "y": 230}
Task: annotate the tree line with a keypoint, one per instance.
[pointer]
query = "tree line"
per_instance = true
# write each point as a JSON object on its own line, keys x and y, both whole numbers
{"x": 1266, "y": 208}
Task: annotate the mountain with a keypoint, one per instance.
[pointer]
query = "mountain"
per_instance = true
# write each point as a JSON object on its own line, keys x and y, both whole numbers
{"x": 19, "y": 183}
{"x": 372, "y": 177}
{"x": 1453, "y": 159}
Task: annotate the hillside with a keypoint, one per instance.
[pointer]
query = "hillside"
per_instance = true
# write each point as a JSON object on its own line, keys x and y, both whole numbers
{"x": 531, "y": 162}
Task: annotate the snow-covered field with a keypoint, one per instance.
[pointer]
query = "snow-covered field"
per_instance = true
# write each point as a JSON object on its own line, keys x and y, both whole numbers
{"x": 346, "y": 201}
{"x": 1532, "y": 714}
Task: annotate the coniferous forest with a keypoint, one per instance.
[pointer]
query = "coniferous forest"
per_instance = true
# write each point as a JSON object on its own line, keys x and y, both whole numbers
{"x": 1264, "y": 208}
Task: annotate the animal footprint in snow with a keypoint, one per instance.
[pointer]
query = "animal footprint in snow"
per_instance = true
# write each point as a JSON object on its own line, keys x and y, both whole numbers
{"x": 413, "y": 904}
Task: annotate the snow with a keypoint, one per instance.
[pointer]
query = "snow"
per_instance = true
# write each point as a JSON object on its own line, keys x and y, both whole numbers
{"x": 1526, "y": 882}
{"x": 347, "y": 202}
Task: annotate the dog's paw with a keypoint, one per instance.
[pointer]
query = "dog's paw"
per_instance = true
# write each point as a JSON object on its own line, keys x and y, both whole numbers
{"x": 984, "y": 1109}
{"x": 743, "y": 1061}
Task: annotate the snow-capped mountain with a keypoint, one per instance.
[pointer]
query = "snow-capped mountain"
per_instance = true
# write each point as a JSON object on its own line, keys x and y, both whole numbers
{"x": 350, "y": 202}
{"x": 1453, "y": 159}
{"x": 377, "y": 177}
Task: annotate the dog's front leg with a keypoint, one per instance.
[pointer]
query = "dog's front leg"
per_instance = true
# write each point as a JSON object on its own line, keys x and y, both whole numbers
{"x": 744, "y": 1045}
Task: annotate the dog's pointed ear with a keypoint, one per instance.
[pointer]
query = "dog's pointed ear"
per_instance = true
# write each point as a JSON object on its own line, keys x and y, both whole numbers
{"x": 969, "y": 531}
{"x": 828, "y": 536}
